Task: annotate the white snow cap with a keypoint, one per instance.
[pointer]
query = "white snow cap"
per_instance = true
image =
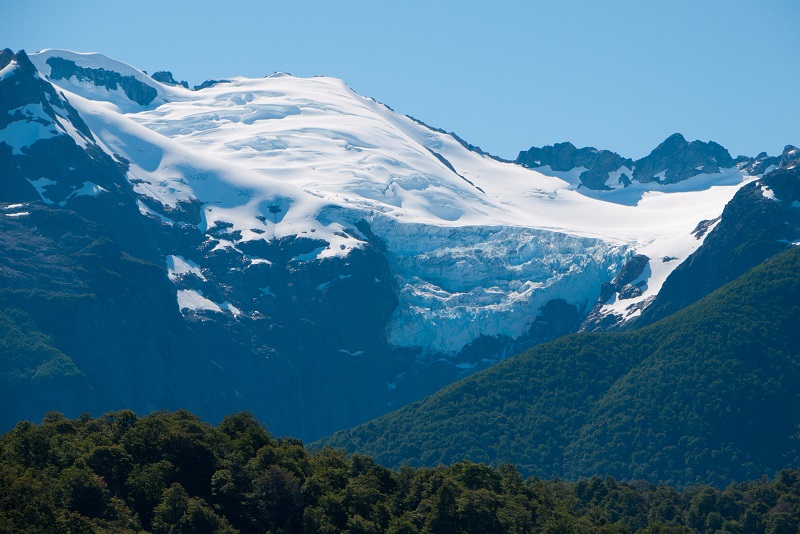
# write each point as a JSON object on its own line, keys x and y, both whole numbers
{"x": 287, "y": 156}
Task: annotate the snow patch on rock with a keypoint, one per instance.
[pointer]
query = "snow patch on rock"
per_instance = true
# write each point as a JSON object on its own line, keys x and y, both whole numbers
{"x": 178, "y": 267}
{"x": 24, "y": 133}
{"x": 190, "y": 299}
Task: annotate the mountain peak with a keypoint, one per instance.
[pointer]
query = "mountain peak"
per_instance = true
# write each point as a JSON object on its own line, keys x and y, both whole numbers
{"x": 6, "y": 55}
{"x": 165, "y": 77}
{"x": 597, "y": 165}
{"x": 20, "y": 59}
{"x": 675, "y": 139}
{"x": 31, "y": 109}
{"x": 676, "y": 160}
{"x": 269, "y": 203}
{"x": 790, "y": 154}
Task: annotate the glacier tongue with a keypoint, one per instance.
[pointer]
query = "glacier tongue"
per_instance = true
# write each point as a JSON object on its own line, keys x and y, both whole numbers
{"x": 457, "y": 284}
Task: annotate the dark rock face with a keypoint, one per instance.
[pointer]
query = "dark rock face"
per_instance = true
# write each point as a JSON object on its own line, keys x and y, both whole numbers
{"x": 632, "y": 269}
{"x": 762, "y": 220}
{"x": 165, "y": 76}
{"x": 565, "y": 157}
{"x": 760, "y": 164}
{"x": 703, "y": 227}
{"x": 671, "y": 162}
{"x": 764, "y": 163}
{"x": 21, "y": 90}
{"x": 137, "y": 91}
{"x": 790, "y": 154}
{"x": 6, "y": 55}
{"x": 624, "y": 287}
{"x": 112, "y": 317}
{"x": 208, "y": 83}
{"x": 629, "y": 291}
{"x": 677, "y": 159}
{"x": 316, "y": 327}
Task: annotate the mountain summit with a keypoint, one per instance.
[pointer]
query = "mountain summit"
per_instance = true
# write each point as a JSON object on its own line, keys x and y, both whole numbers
{"x": 320, "y": 258}
{"x": 674, "y": 160}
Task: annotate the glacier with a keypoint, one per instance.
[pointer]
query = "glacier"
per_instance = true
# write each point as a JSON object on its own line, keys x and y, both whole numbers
{"x": 476, "y": 246}
{"x": 457, "y": 284}
{"x": 287, "y": 246}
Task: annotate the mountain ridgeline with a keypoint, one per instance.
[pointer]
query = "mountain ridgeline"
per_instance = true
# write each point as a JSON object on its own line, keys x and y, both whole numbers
{"x": 760, "y": 221}
{"x": 709, "y": 393}
{"x": 673, "y": 161}
{"x": 329, "y": 260}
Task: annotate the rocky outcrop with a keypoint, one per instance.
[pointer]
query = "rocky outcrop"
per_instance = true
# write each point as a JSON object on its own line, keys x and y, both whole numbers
{"x": 626, "y": 285}
{"x": 565, "y": 157}
{"x": 676, "y": 159}
{"x": 135, "y": 90}
{"x": 673, "y": 161}
{"x": 44, "y": 119}
{"x": 208, "y": 83}
{"x": 462, "y": 142}
{"x": 165, "y": 76}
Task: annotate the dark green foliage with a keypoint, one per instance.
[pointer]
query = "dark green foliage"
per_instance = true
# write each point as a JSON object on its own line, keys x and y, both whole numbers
{"x": 707, "y": 395}
{"x": 119, "y": 473}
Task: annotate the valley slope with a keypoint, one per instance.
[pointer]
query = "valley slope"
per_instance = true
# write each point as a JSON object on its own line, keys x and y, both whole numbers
{"x": 708, "y": 394}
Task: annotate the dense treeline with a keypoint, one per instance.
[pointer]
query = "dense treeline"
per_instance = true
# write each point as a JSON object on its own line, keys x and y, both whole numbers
{"x": 170, "y": 472}
{"x": 708, "y": 395}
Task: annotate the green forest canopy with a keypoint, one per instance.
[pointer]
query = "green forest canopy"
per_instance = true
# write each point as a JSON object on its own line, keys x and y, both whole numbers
{"x": 170, "y": 472}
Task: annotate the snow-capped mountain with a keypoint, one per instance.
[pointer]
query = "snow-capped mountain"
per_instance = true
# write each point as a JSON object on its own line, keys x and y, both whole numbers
{"x": 673, "y": 161}
{"x": 332, "y": 239}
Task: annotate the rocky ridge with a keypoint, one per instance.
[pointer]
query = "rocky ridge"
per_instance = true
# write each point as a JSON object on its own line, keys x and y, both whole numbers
{"x": 674, "y": 160}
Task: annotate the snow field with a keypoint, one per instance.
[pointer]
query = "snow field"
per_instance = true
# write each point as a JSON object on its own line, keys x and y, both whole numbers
{"x": 476, "y": 245}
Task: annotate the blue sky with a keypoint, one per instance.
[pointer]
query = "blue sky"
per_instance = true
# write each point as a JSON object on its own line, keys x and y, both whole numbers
{"x": 504, "y": 75}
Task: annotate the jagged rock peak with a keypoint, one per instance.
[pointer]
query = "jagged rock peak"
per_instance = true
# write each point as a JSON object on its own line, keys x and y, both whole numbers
{"x": 674, "y": 160}
{"x": 677, "y": 159}
{"x": 790, "y": 154}
{"x": 764, "y": 163}
{"x": 20, "y": 58}
{"x": 208, "y": 83}
{"x": 165, "y": 76}
{"x": 566, "y": 156}
{"x": 599, "y": 164}
{"x": 6, "y": 55}
{"x": 32, "y": 109}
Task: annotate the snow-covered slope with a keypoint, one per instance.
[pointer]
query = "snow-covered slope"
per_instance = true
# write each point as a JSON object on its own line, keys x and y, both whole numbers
{"x": 287, "y": 246}
{"x": 476, "y": 246}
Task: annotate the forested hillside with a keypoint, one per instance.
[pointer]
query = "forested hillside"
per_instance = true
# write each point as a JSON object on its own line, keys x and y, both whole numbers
{"x": 710, "y": 394}
{"x": 171, "y": 473}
